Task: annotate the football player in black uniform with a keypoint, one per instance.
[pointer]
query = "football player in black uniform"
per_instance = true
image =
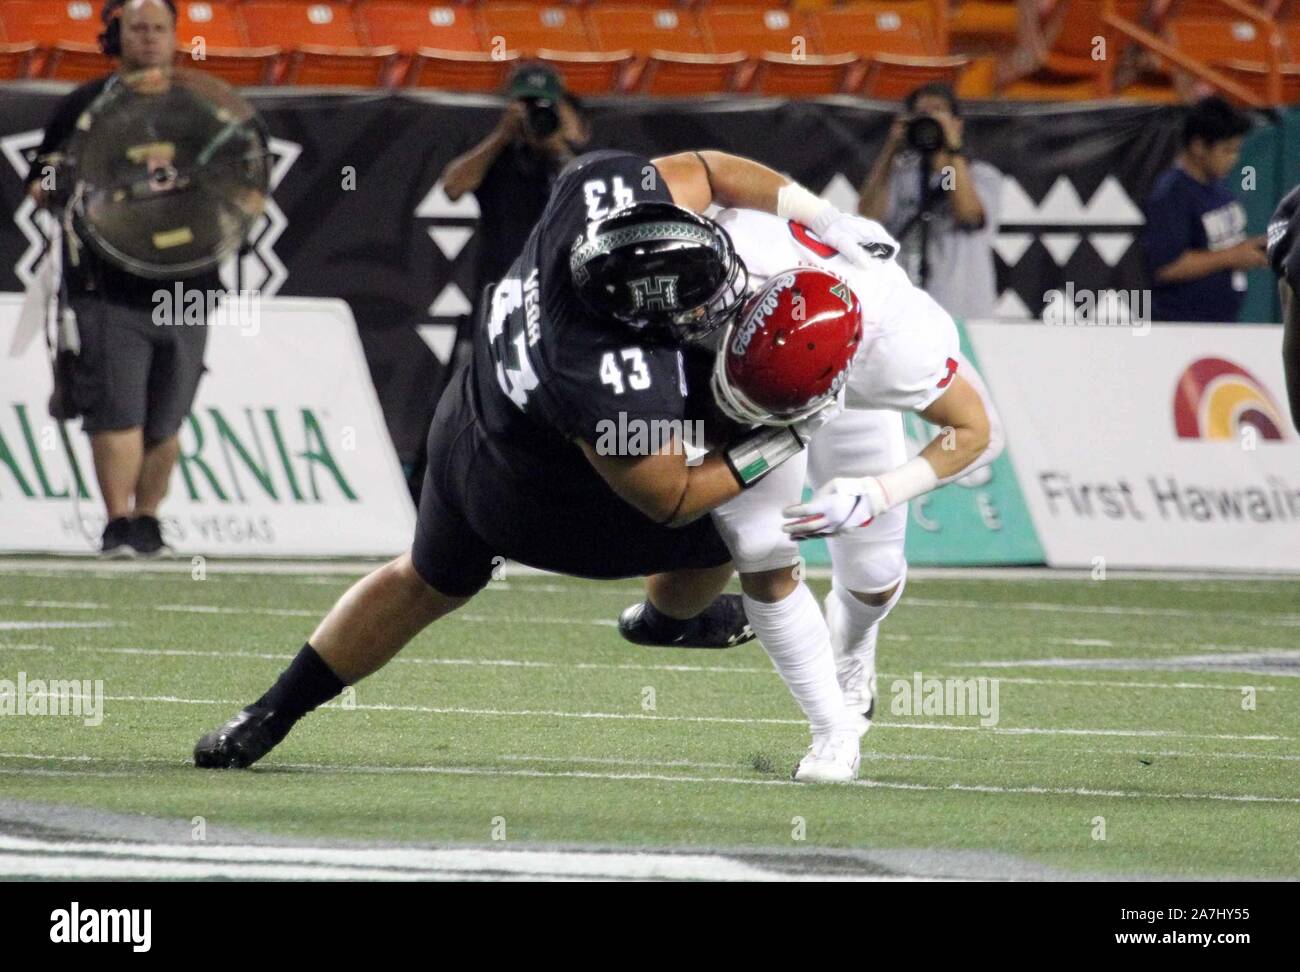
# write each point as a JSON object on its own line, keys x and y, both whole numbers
{"x": 587, "y": 333}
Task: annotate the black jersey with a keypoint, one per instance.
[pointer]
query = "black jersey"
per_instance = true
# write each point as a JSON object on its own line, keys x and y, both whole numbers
{"x": 547, "y": 371}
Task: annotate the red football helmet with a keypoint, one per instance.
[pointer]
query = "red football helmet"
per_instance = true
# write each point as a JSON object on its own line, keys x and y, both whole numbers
{"x": 788, "y": 351}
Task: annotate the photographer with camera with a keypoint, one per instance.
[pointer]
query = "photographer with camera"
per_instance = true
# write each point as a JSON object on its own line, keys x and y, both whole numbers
{"x": 131, "y": 381}
{"x": 512, "y": 169}
{"x": 940, "y": 205}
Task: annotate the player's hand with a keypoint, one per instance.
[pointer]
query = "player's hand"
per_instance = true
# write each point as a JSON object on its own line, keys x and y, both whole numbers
{"x": 842, "y": 504}
{"x": 850, "y": 234}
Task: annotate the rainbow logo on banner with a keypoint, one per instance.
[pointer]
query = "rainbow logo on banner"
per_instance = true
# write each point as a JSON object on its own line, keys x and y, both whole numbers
{"x": 1216, "y": 399}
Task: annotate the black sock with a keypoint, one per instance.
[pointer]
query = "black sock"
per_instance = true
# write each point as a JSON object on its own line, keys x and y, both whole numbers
{"x": 661, "y": 625}
{"x": 305, "y": 684}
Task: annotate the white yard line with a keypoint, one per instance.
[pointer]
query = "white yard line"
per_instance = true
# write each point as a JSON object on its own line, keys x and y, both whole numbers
{"x": 738, "y": 781}
{"x": 634, "y": 667}
{"x": 33, "y": 857}
{"x": 727, "y": 720}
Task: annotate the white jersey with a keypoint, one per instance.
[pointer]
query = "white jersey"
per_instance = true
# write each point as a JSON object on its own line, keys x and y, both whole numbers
{"x": 910, "y": 348}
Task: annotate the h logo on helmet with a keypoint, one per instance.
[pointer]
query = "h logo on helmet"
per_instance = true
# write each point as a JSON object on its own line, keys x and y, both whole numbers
{"x": 655, "y": 294}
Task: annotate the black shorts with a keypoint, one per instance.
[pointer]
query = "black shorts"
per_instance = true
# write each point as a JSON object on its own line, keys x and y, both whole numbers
{"x": 477, "y": 511}
{"x": 131, "y": 372}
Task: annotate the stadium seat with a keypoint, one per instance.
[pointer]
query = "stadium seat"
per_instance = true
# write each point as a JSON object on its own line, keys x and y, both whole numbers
{"x": 1255, "y": 76}
{"x": 16, "y": 61}
{"x": 215, "y": 21}
{"x": 1071, "y": 54}
{"x": 644, "y": 29}
{"x": 529, "y": 27}
{"x": 780, "y": 74}
{"x": 408, "y": 25}
{"x": 46, "y": 22}
{"x": 69, "y": 61}
{"x": 234, "y": 65}
{"x": 357, "y": 67}
{"x": 290, "y": 23}
{"x": 757, "y": 30}
{"x": 591, "y": 72}
{"x": 874, "y": 28}
{"x": 459, "y": 70}
{"x": 672, "y": 73}
{"x": 984, "y": 25}
{"x": 1217, "y": 42}
{"x": 892, "y": 76}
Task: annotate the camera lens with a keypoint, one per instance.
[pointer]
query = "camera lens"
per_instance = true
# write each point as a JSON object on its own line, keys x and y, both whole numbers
{"x": 925, "y": 134}
{"x": 543, "y": 119}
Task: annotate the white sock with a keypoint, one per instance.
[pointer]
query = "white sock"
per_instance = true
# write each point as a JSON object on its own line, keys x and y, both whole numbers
{"x": 794, "y": 635}
{"x": 854, "y": 627}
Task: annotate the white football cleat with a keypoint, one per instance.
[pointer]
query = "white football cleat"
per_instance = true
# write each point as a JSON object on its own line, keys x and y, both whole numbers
{"x": 859, "y": 688}
{"x": 832, "y": 758}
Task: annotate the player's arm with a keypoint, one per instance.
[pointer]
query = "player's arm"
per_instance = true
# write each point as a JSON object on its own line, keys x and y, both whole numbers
{"x": 663, "y": 487}
{"x": 964, "y": 431}
{"x": 673, "y": 494}
{"x": 965, "y": 442}
{"x": 700, "y": 179}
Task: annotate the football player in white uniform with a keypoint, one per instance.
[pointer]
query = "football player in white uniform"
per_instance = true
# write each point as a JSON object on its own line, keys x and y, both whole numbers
{"x": 767, "y": 370}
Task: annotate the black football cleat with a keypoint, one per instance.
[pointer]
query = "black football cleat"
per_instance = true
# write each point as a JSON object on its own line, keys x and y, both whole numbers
{"x": 721, "y": 625}
{"x": 242, "y": 741}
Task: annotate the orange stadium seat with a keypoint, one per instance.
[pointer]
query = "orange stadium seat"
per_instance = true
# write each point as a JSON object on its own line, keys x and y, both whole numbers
{"x": 214, "y": 20}
{"x": 46, "y": 22}
{"x": 409, "y": 25}
{"x": 644, "y": 29}
{"x": 358, "y": 66}
{"x": 984, "y": 24}
{"x": 1255, "y": 76}
{"x": 234, "y": 65}
{"x": 289, "y": 23}
{"x": 1291, "y": 39}
{"x": 1218, "y": 41}
{"x": 1207, "y": 9}
{"x": 16, "y": 61}
{"x": 591, "y": 72}
{"x": 672, "y": 73}
{"x": 1070, "y": 55}
{"x": 530, "y": 27}
{"x": 69, "y": 61}
{"x": 459, "y": 70}
{"x": 891, "y": 77}
{"x": 874, "y": 28}
{"x": 757, "y": 30}
{"x": 781, "y": 74}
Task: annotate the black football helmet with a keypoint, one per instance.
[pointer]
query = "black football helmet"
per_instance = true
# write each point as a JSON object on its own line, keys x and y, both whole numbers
{"x": 657, "y": 265}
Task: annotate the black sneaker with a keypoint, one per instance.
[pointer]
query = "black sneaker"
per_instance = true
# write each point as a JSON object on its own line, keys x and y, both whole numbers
{"x": 721, "y": 625}
{"x": 117, "y": 539}
{"x": 242, "y": 741}
{"x": 146, "y": 537}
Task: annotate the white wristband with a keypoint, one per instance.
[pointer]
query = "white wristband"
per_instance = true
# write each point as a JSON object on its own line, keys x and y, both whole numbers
{"x": 795, "y": 202}
{"x": 897, "y": 486}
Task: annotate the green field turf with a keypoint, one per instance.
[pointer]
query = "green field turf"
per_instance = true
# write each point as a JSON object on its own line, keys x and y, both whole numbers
{"x": 526, "y": 714}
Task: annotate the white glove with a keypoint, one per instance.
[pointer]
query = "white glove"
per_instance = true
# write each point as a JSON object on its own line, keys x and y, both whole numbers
{"x": 843, "y": 504}
{"x": 861, "y": 241}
